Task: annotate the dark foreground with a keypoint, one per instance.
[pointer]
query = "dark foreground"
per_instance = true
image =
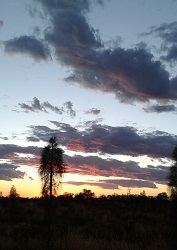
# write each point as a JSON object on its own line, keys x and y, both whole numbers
{"x": 108, "y": 223}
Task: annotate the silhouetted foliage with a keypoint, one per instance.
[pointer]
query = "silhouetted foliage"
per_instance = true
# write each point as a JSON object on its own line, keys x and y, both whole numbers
{"x": 13, "y": 192}
{"x": 162, "y": 196}
{"x": 85, "y": 194}
{"x": 115, "y": 222}
{"x": 12, "y": 206}
{"x": 172, "y": 184}
{"x": 51, "y": 168}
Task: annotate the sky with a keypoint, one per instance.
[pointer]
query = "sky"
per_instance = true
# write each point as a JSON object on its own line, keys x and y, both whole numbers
{"x": 100, "y": 76}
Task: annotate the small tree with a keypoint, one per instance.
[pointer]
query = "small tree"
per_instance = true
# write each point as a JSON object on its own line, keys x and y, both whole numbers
{"x": 143, "y": 193}
{"x": 172, "y": 184}
{"x": 51, "y": 168}
{"x": 13, "y": 192}
{"x": 162, "y": 196}
{"x": 13, "y": 203}
{"x": 85, "y": 194}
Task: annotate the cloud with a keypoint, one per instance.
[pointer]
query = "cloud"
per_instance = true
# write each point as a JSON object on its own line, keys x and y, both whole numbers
{"x": 109, "y": 140}
{"x": 166, "y": 31}
{"x": 93, "y": 111}
{"x": 116, "y": 183}
{"x": 130, "y": 74}
{"x": 13, "y": 156}
{"x": 9, "y": 172}
{"x": 97, "y": 166}
{"x": 28, "y": 45}
{"x": 55, "y": 109}
{"x": 69, "y": 107}
{"x": 83, "y": 165}
{"x": 160, "y": 108}
{"x": 1, "y": 24}
{"x": 8, "y": 150}
{"x": 37, "y": 106}
{"x": 16, "y": 156}
{"x": 168, "y": 34}
{"x": 3, "y": 137}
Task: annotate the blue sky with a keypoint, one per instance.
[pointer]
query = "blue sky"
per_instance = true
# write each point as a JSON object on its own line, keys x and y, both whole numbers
{"x": 100, "y": 76}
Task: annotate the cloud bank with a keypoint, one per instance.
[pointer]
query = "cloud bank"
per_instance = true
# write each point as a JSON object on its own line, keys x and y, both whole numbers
{"x": 109, "y": 140}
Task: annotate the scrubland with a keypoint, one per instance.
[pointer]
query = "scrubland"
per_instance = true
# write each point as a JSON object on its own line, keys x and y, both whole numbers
{"x": 105, "y": 223}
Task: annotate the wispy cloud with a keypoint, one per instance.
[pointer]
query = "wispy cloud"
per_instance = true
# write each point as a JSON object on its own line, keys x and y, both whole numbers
{"x": 168, "y": 33}
{"x": 69, "y": 107}
{"x": 161, "y": 108}
{"x": 115, "y": 184}
{"x": 93, "y": 111}
{"x": 37, "y": 106}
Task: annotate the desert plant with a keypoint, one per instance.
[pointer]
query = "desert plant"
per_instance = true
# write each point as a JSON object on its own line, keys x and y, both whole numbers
{"x": 51, "y": 168}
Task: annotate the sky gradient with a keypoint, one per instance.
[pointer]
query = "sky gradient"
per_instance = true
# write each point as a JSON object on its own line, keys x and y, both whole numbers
{"x": 100, "y": 76}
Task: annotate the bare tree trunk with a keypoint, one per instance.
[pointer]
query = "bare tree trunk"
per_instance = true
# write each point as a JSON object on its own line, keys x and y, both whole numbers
{"x": 51, "y": 172}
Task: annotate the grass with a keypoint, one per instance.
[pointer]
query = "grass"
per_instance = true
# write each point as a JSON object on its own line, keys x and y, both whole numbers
{"x": 117, "y": 223}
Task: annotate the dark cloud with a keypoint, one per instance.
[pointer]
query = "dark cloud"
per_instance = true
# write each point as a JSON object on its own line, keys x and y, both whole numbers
{"x": 43, "y": 133}
{"x": 90, "y": 165}
{"x": 131, "y": 183}
{"x": 130, "y": 74}
{"x": 160, "y": 108}
{"x": 83, "y": 165}
{"x": 37, "y": 106}
{"x": 28, "y": 45}
{"x": 110, "y": 140}
{"x": 17, "y": 156}
{"x": 93, "y": 111}
{"x": 116, "y": 184}
{"x": 12, "y": 154}
{"x": 9, "y": 172}
{"x": 171, "y": 54}
{"x": 97, "y": 166}
{"x": 8, "y": 150}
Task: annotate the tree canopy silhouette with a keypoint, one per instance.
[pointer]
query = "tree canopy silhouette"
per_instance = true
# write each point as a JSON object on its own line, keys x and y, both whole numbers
{"x": 13, "y": 192}
{"x": 172, "y": 184}
{"x": 51, "y": 168}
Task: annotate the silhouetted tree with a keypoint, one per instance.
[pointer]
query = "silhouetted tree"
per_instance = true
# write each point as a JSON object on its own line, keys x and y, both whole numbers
{"x": 51, "y": 168}
{"x": 85, "y": 194}
{"x": 172, "y": 184}
{"x": 143, "y": 193}
{"x": 50, "y": 171}
{"x": 13, "y": 195}
{"x": 13, "y": 192}
{"x": 162, "y": 196}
